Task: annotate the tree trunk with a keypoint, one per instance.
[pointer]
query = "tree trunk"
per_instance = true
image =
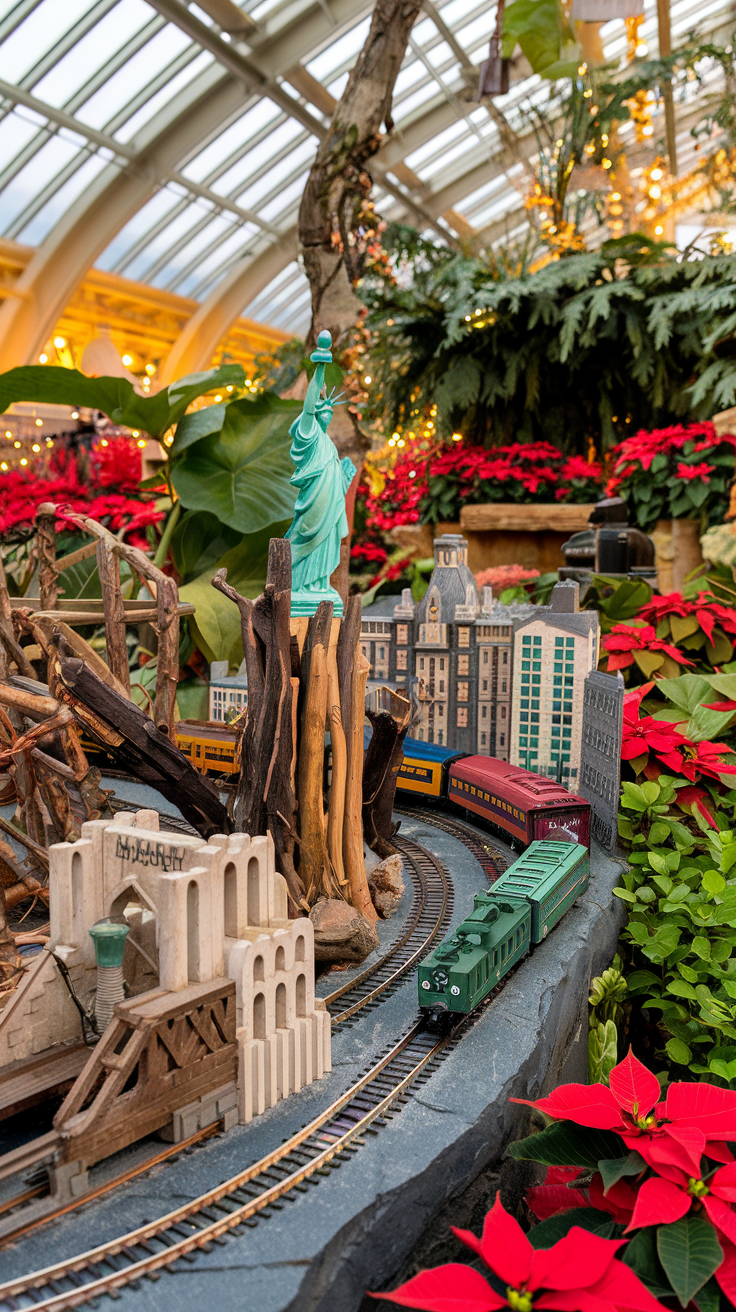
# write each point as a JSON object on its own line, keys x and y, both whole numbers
{"x": 339, "y": 187}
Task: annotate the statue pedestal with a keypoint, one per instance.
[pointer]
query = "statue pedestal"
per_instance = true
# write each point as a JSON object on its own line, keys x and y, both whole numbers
{"x": 306, "y": 603}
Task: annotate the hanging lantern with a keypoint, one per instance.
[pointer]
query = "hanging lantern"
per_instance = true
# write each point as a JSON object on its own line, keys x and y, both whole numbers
{"x": 603, "y": 11}
{"x": 494, "y": 71}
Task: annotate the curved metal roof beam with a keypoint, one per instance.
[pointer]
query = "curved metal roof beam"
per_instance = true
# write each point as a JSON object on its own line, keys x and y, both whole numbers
{"x": 200, "y": 337}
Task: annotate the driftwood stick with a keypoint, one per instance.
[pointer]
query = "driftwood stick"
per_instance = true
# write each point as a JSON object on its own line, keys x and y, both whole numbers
{"x": 353, "y": 671}
{"x": 336, "y": 802}
{"x": 35, "y": 707}
{"x": 167, "y": 665}
{"x": 36, "y": 849}
{"x": 14, "y": 650}
{"x": 108, "y": 566}
{"x": 46, "y": 546}
{"x": 314, "y": 865}
{"x": 381, "y": 768}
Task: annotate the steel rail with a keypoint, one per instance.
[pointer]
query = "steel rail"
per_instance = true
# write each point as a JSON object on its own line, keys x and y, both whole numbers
{"x": 336, "y": 1131}
{"x": 493, "y": 855}
{"x": 429, "y": 918}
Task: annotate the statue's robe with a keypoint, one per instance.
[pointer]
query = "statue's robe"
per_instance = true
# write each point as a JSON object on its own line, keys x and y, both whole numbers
{"x": 320, "y": 522}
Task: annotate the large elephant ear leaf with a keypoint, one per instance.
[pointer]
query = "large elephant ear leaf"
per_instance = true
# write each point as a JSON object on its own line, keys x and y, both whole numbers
{"x": 216, "y": 624}
{"x": 241, "y": 473}
{"x": 115, "y": 397}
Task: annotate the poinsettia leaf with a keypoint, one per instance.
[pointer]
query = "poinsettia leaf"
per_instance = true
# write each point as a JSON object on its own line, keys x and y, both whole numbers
{"x": 613, "y": 1169}
{"x": 690, "y": 1254}
{"x": 565, "y": 1144}
{"x": 641, "y": 1255}
{"x": 720, "y": 650}
{"x": 546, "y": 1233}
{"x": 708, "y": 1299}
{"x": 648, "y": 661}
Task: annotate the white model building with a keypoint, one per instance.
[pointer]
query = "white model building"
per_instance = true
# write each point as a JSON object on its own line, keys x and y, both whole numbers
{"x": 555, "y": 648}
{"x": 198, "y": 911}
{"x": 228, "y": 692}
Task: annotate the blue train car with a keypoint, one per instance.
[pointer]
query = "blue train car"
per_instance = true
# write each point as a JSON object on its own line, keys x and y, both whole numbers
{"x": 425, "y": 767}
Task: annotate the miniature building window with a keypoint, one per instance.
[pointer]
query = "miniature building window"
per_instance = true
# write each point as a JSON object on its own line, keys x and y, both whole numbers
{"x": 254, "y": 892}
{"x": 381, "y": 653}
{"x": 230, "y": 889}
{"x": 364, "y": 647}
{"x": 280, "y": 962}
{"x": 559, "y": 642}
{"x": 401, "y": 660}
{"x": 193, "y": 930}
{"x": 462, "y": 692}
{"x": 485, "y": 655}
{"x": 526, "y": 665}
{"x": 442, "y": 685}
{"x": 301, "y": 993}
{"x": 421, "y": 663}
{"x": 462, "y": 717}
{"x": 258, "y": 969}
{"x": 402, "y": 633}
{"x": 483, "y": 739}
{"x": 463, "y": 637}
{"x": 484, "y": 711}
{"x": 485, "y": 685}
{"x": 505, "y": 657}
{"x": 299, "y": 951}
{"x": 503, "y": 712}
{"x": 441, "y": 709}
{"x": 569, "y": 642}
{"x": 504, "y": 683}
{"x": 502, "y": 743}
{"x": 281, "y": 1005}
{"x": 440, "y": 738}
{"x": 259, "y": 1016}
{"x": 463, "y": 665}
{"x": 442, "y": 663}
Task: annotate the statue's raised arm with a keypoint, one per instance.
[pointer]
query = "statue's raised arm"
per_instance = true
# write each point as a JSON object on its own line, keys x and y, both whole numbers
{"x": 320, "y": 522}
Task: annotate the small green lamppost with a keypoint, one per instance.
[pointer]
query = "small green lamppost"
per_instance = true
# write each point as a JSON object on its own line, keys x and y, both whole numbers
{"x": 109, "y": 939}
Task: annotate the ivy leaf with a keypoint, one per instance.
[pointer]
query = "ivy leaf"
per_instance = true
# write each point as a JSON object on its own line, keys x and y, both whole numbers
{"x": 690, "y": 1254}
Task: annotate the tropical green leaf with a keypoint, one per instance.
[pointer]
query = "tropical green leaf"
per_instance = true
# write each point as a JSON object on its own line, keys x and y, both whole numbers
{"x": 690, "y": 1254}
{"x": 199, "y": 541}
{"x": 216, "y": 623}
{"x": 615, "y": 1168}
{"x": 241, "y": 472}
{"x": 115, "y": 397}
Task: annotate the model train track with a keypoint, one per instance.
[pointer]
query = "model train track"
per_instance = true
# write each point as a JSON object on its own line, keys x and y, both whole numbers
{"x": 492, "y": 855}
{"x": 322, "y": 1146}
{"x": 428, "y": 919}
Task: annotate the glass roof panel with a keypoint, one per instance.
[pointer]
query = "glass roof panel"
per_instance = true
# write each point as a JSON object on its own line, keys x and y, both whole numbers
{"x": 93, "y": 51}
{"x": 121, "y": 69}
{"x": 37, "y": 35}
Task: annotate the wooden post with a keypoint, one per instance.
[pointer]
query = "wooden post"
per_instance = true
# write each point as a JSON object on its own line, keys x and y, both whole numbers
{"x": 353, "y": 669}
{"x": 46, "y": 546}
{"x": 382, "y": 765}
{"x": 167, "y": 664}
{"x": 314, "y": 864}
{"x": 108, "y": 566}
{"x": 665, "y": 48}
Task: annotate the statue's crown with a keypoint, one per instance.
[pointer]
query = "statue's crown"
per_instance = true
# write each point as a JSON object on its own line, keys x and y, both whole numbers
{"x": 323, "y": 354}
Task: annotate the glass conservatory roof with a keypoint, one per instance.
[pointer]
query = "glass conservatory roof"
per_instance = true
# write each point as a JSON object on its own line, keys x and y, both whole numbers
{"x": 91, "y": 88}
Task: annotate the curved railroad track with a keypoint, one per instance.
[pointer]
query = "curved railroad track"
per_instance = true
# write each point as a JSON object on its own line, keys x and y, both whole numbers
{"x": 492, "y": 855}
{"x": 428, "y": 919}
{"x": 322, "y": 1146}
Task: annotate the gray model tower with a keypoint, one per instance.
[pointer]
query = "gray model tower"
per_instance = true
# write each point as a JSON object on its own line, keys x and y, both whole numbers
{"x": 600, "y": 768}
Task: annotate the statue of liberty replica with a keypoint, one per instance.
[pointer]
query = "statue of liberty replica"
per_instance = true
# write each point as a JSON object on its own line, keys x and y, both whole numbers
{"x": 320, "y": 522}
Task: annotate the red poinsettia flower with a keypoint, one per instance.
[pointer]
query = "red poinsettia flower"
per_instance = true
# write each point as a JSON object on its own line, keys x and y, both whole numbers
{"x": 689, "y": 472}
{"x": 697, "y": 800}
{"x": 693, "y": 1120}
{"x": 706, "y": 609}
{"x": 671, "y": 1194}
{"x": 643, "y": 734}
{"x": 704, "y": 759}
{"x": 580, "y": 1273}
{"x": 625, "y": 639}
{"x": 557, "y": 1194}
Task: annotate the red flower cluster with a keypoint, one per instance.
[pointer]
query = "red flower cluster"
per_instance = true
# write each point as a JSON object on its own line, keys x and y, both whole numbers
{"x": 640, "y": 450}
{"x": 116, "y": 462}
{"x": 625, "y": 639}
{"x": 671, "y": 1137}
{"x": 580, "y": 1273}
{"x": 21, "y": 494}
{"x": 436, "y": 484}
{"x": 706, "y": 609}
{"x": 643, "y": 734}
{"x": 367, "y": 553}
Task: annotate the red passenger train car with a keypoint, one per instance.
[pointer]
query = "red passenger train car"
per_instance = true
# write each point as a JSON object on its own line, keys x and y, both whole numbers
{"x": 525, "y": 805}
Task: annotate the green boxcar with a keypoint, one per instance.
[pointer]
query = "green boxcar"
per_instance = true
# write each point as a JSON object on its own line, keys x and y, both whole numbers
{"x": 551, "y": 876}
{"x": 463, "y": 969}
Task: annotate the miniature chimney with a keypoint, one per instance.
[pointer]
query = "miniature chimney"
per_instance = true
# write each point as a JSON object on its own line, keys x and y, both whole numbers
{"x": 565, "y": 598}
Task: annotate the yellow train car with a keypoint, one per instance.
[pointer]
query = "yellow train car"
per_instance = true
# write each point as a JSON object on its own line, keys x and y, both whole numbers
{"x": 209, "y": 745}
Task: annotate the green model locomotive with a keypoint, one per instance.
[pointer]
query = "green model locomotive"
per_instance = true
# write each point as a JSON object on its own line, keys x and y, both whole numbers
{"x": 519, "y": 910}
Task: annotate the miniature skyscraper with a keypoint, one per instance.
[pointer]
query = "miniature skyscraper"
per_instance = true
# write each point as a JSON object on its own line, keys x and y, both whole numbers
{"x": 554, "y": 651}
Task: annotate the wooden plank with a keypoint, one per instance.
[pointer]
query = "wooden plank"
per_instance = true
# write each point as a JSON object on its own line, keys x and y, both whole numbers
{"x": 158, "y": 1006}
{"x": 28, "y": 1154}
{"x": 506, "y": 517}
{"x": 33, "y": 1079}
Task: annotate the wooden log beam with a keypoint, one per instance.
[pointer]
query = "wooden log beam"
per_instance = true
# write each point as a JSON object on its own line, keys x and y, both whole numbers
{"x": 141, "y": 748}
{"x": 108, "y": 566}
{"x": 382, "y": 763}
